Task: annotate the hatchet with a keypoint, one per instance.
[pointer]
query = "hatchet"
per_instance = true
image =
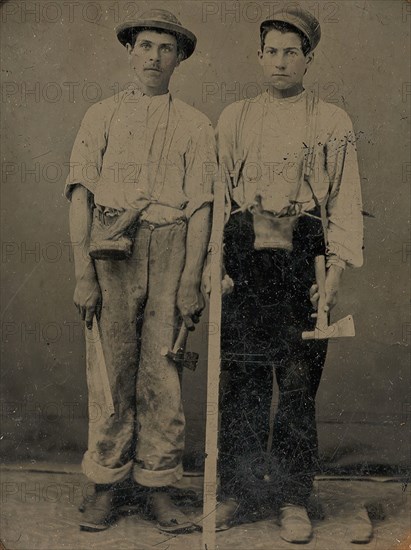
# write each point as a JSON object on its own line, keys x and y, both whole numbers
{"x": 177, "y": 354}
{"x": 340, "y": 329}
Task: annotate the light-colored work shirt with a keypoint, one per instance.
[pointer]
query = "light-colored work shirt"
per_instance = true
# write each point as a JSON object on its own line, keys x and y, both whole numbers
{"x": 262, "y": 147}
{"x": 146, "y": 153}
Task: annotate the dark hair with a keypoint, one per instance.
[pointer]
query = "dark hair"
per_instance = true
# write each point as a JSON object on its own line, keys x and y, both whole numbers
{"x": 180, "y": 39}
{"x": 284, "y": 27}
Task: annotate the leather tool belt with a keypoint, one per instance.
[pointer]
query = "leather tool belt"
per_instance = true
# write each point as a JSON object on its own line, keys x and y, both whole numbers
{"x": 113, "y": 231}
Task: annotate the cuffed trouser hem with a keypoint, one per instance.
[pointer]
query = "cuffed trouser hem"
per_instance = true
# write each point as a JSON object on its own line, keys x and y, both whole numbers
{"x": 101, "y": 474}
{"x": 157, "y": 478}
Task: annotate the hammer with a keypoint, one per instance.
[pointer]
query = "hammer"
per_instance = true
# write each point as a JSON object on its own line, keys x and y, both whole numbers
{"x": 322, "y": 331}
{"x": 177, "y": 354}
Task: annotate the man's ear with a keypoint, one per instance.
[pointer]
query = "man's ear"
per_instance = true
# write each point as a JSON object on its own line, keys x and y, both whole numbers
{"x": 309, "y": 59}
{"x": 129, "y": 48}
{"x": 260, "y": 57}
{"x": 180, "y": 58}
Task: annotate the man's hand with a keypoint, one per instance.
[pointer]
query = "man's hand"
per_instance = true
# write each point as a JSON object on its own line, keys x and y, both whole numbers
{"x": 332, "y": 285}
{"x": 227, "y": 284}
{"x": 190, "y": 303}
{"x": 87, "y": 298}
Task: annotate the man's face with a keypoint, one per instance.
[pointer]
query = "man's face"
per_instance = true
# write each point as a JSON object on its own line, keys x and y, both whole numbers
{"x": 283, "y": 61}
{"x": 153, "y": 59}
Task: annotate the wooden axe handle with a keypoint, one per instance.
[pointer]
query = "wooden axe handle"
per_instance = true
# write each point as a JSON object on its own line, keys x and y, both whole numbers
{"x": 102, "y": 367}
{"x": 181, "y": 338}
{"x": 322, "y": 318}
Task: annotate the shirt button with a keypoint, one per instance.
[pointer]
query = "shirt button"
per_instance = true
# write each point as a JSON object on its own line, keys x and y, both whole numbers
{"x": 151, "y": 227}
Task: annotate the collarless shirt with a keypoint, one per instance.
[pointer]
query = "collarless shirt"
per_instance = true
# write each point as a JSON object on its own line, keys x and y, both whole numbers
{"x": 262, "y": 145}
{"x": 142, "y": 152}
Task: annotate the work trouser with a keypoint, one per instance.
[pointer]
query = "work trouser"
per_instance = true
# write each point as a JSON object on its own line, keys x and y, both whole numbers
{"x": 262, "y": 324}
{"x": 145, "y": 435}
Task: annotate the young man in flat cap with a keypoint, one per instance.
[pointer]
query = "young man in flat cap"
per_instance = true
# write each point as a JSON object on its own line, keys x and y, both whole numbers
{"x": 284, "y": 153}
{"x": 140, "y": 224}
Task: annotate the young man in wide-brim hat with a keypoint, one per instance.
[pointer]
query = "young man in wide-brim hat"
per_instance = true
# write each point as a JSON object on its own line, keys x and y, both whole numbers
{"x": 138, "y": 193}
{"x": 285, "y": 153}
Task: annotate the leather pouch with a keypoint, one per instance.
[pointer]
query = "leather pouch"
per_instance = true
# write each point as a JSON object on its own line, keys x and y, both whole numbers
{"x": 111, "y": 235}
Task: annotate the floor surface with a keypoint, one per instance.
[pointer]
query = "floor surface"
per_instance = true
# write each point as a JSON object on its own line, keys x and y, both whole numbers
{"x": 39, "y": 512}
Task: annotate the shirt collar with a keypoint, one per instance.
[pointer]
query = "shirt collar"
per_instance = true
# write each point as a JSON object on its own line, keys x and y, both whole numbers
{"x": 268, "y": 98}
{"x": 151, "y": 100}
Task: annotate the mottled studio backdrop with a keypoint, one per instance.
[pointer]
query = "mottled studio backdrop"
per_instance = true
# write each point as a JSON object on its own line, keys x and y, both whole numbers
{"x": 60, "y": 57}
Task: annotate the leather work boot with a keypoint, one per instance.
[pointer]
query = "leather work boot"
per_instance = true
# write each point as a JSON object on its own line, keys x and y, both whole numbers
{"x": 295, "y": 524}
{"x": 98, "y": 510}
{"x": 101, "y": 508}
{"x": 226, "y": 514}
{"x": 170, "y": 518}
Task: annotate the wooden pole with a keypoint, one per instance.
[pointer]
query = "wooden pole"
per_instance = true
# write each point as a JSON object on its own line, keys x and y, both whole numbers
{"x": 213, "y": 373}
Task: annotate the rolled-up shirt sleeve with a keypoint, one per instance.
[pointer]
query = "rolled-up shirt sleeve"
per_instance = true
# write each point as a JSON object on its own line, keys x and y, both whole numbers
{"x": 201, "y": 169}
{"x": 344, "y": 205}
{"x": 87, "y": 154}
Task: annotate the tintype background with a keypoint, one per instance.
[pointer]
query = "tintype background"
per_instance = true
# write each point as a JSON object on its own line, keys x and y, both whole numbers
{"x": 60, "y": 57}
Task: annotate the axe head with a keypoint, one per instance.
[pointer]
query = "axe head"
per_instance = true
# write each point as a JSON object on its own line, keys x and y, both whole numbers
{"x": 188, "y": 360}
{"x": 340, "y": 329}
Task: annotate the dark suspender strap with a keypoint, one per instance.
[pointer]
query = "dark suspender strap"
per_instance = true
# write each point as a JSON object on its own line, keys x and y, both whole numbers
{"x": 309, "y": 157}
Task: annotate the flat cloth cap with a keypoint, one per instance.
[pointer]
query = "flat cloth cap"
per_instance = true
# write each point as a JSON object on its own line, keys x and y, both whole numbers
{"x": 303, "y": 20}
{"x": 161, "y": 20}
